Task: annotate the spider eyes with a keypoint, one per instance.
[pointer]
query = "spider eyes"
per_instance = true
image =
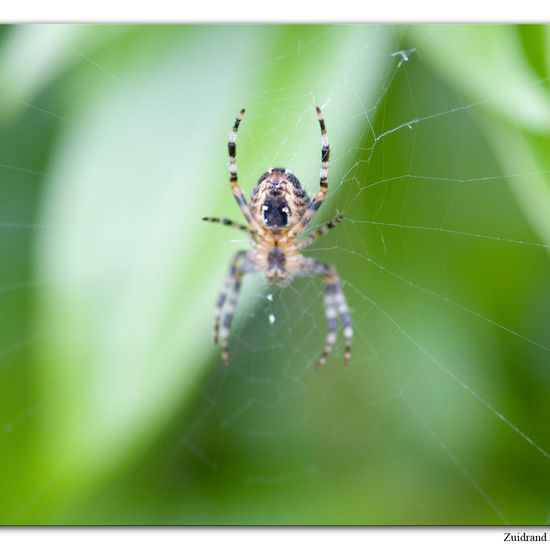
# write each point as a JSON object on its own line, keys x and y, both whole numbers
{"x": 275, "y": 213}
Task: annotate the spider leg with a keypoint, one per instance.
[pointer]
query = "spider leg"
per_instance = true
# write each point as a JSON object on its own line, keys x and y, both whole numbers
{"x": 318, "y": 199}
{"x": 222, "y": 297}
{"x": 334, "y": 289}
{"x": 331, "y": 315}
{"x": 240, "y": 265}
{"x": 335, "y": 304}
{"x": 233, "y": 179}
{"x": 228, "y": 316}
{"x": 229, "y": 223}
{"x": 345, "y": 317}
{"x": 323, "y": 230}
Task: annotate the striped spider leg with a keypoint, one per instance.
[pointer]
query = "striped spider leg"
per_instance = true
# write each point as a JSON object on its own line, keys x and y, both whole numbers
{"x": 322, "y": 230}
{"x": 241, "y": 263}
{"x": 233, "y": 178}
{"x": 228, "y": 223}
{"x": 335, "y": 306}
{"x": 319, "y": 198}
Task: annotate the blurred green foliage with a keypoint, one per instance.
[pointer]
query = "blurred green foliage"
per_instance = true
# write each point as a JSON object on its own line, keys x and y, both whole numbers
{"x": 114, "y": 406}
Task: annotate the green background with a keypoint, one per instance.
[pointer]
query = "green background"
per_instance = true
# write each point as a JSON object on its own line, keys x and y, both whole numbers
{"x": 114, "y": 405}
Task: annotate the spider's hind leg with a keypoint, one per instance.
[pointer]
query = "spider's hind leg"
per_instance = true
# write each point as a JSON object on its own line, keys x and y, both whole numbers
{"x": 320, "y": 196}
{"x": 233, "y": 177}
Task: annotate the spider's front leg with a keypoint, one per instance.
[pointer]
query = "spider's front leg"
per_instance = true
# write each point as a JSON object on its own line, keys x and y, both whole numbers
{"x": 241, "y": 263}
{"x": 338, "y": 301}
{"x": 335, "y": 305}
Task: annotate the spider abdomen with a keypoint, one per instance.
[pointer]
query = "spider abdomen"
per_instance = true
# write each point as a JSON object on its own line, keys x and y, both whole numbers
{"x": 278, "y": 200}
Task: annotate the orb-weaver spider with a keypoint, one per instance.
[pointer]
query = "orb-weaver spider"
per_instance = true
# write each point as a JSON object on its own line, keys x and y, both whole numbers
{"x": 279, "y": 212}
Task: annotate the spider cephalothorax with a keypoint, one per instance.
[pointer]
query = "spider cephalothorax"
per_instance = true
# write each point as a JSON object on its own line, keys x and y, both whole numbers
{"x": 280, "y": 210}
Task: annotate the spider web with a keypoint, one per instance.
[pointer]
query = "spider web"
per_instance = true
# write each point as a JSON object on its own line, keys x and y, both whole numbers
{"x": 441, "y": 410}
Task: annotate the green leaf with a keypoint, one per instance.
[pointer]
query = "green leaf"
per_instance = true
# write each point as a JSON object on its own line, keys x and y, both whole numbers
{"x": 33, "y": 56}
{"x": 134, "y": 272}
{"x": 494, "y": 65}
{"x": 489, "y": 64}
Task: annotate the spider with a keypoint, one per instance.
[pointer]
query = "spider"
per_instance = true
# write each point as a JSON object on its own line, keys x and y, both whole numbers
{"x": 279, "y": 211}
